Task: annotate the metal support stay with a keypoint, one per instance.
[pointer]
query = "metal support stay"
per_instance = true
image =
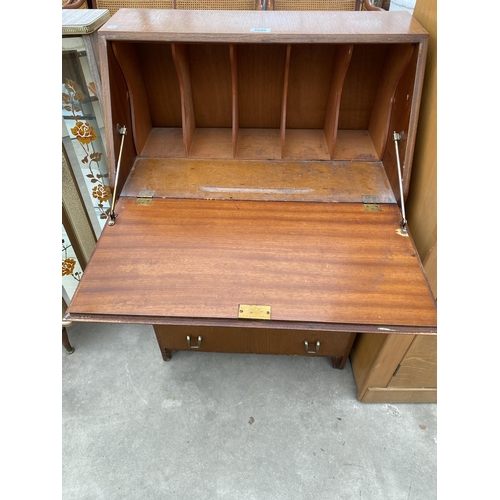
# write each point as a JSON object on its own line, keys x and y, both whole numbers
{"x": 112, "y": 214}
{"x": 397, "y": 137}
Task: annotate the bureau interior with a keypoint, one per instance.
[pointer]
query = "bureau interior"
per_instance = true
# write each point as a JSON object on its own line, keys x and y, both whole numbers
{"x": 249, "y": 101}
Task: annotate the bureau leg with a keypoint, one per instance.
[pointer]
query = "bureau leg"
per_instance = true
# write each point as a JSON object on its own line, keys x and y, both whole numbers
{"x": 167, "y": 354}
{"x": 65, "y": 341}
{"x": 337, "y": 362}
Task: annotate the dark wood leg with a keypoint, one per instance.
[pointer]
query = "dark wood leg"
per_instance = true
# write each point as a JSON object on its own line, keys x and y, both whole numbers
{"x": 167, "y": 354}
{"x": 65, "y": 341}
{"x": 337, "y": 362}
{"x": 340, "y": 361}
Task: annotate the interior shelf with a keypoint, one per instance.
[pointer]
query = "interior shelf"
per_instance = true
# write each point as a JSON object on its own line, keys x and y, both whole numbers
{"x": 355, "y": 145}
{"x": 319, "y": 181}
{"x": 306, "y": 144}
{"x": 262, "y": 102}
{"x": 258, "y": 143}
{"x": 164, "y": 142}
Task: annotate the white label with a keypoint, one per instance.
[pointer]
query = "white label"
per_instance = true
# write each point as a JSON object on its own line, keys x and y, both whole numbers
{"x": 260, "y": 30}
{"x": 111, "y": 26}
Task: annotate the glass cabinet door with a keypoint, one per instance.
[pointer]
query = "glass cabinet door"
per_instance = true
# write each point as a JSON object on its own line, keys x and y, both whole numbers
{"x": 71, "y": 268}
{"x": 83, "y": 134}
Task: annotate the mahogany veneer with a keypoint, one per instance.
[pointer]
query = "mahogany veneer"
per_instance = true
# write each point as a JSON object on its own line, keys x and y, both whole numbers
{"x": 266, "y": 141}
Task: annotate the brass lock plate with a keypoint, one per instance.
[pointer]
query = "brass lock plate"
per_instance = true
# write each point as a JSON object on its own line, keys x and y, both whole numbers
{"x": 252, "y": 311}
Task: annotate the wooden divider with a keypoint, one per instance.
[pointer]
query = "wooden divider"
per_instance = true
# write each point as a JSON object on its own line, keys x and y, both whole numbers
{"x": 180, "y": 55}
{"x": 117, "y": 112}
{"x": 233, "y": 57}
{"x": 159, "y": 73}
{"x": 128, "y": 59}
{"x": 263, "y": 101}
{"x": 400, "y": 121}
{"x": 395, "y": 63}
{"x": 284, "y": 102}
{"x": 344, "y": 53}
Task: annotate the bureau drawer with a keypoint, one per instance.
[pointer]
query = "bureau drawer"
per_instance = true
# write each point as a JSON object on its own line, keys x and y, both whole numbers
{"x": 336, "y": 345}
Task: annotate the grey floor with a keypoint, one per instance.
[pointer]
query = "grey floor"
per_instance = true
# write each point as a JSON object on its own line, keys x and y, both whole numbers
{"x": 230, "y": 426}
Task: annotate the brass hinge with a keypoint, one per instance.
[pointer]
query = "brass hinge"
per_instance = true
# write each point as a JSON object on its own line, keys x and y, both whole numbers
{"x": 249, "y": 311}
{"x": 371, "y": 203}
{"x": 145, "y": 197}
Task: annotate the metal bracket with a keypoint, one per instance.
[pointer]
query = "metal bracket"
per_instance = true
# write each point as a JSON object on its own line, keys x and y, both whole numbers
{"x": 371, "y": 203}
{"x": 112, "y": 214}
{"x": 396, "y": 138}
{"x": 145, "y": 197}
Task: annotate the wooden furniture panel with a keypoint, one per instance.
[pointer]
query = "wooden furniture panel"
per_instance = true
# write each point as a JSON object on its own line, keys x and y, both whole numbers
{"x": 116, "y": 110}
{"x": 258, "y": 171}
{"x": 394, "y": 66}
{"x": 375, "y": 357}
{"x": 162, "y": 87}
{"x": 233, "y": 58}
{"x": 331, "y": 120}
{"x": 261, "y": 71}
{"x": 128, "y": 59}
{"x": 320, "y": 262}
{"x": 210, "y": 70}
{"x": 422, "y": 198}
{"x": 418, "y": 368}
{"x": 256, "y": 341}
{"x": 259, "y": 180}
{"x": 392, "y": 368}
{"x": 311, "y": 67}
{"x": 262, "y": 104}
{"x": 284, "y": 27}
{"x": 404, "y": 119}
{"x": 407, "y": 395}
{"x": 361, "y": 85}
{"x": 415, "y": 380}
{"x": 180, "y": 53}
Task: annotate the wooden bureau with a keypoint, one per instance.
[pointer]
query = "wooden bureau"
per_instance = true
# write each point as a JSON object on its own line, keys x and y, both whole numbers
{"x": 257, "y": 195}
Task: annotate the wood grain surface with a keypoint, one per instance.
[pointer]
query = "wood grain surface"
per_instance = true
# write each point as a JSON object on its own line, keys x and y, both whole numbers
{"x": 397, "y": 395}
{"x": 419, "y": 366}
{"x": 323, "y": 181}
{"x": 255, "y": 341}
{"x": 284, "y": 26}
{"x": 312, "y": 262}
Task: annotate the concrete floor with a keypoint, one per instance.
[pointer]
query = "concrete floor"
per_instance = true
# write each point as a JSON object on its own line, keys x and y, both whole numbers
{"x": 230, "y": 426}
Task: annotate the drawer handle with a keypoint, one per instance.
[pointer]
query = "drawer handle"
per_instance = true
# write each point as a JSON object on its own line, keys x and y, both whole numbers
{"x": 306, "y": 344}
{"x": 200, "y": 338}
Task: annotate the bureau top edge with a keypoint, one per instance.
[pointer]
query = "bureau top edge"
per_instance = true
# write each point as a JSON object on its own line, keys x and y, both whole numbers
{"x": 263, "y": 26}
